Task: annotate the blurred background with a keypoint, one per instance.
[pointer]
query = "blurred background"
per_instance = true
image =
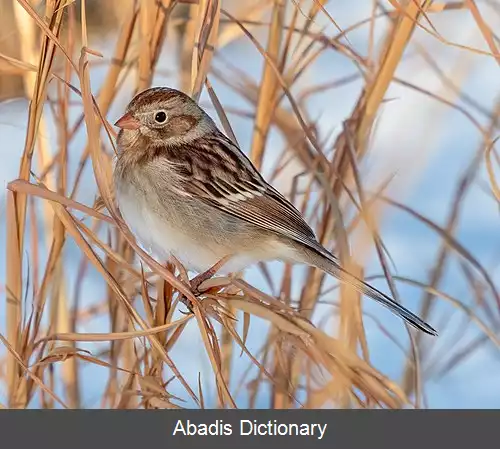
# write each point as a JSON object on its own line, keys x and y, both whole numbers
{"x": 391, "y": 106}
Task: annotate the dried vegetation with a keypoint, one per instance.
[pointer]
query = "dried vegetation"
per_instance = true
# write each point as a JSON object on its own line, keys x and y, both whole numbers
{"x": 46, "y": 55}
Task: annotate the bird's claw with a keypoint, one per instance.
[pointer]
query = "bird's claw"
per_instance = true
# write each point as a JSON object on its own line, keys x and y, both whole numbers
{"x": 189, "y": 305}
{"x": 197, "y": 281}
{"x": 187, "y": 302}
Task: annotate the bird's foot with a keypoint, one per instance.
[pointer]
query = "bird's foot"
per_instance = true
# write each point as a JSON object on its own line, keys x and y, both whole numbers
{"x": 198, "y": 280}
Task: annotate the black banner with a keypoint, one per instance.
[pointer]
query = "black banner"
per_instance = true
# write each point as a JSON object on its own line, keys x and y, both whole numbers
{"x": 252, "y": 429}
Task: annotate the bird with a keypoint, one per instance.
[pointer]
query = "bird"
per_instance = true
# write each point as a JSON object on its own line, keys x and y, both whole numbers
{"x": 187, "y": 191}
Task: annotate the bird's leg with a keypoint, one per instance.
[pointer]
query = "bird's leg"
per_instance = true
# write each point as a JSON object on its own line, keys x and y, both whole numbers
{"x": 200, "y": 278}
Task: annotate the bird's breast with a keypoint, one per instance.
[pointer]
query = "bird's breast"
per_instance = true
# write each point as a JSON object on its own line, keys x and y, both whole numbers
{"x": 170, "y": 227}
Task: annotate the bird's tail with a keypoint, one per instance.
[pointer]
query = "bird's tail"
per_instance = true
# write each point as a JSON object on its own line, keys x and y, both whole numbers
{"x": 327, "y": 262}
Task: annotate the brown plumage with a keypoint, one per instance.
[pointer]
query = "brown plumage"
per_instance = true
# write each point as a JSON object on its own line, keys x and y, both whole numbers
{"x": 186, "y": 190}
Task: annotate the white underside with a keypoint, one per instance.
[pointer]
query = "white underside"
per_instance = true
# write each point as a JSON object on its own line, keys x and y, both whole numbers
{"x": 161, "y": 240}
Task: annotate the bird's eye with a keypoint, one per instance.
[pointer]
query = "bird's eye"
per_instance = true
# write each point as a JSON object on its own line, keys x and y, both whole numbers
{"x": 160, "y": 117}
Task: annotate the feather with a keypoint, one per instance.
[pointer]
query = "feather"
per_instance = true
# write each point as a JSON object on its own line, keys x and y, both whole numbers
{"x": 238, "y": 188}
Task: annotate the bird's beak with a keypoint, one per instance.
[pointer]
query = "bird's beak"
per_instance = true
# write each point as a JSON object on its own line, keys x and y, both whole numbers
{"x": 128, "y": 122}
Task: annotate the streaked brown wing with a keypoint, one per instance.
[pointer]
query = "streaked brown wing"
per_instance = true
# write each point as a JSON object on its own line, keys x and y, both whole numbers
{"x": 239, "y": 189}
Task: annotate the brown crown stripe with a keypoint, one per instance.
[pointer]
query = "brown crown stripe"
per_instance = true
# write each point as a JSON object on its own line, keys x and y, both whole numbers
{"x": 148, "y": 96}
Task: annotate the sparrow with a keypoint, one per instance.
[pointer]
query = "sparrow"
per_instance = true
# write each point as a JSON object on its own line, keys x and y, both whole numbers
{"x": 186, "y": 190}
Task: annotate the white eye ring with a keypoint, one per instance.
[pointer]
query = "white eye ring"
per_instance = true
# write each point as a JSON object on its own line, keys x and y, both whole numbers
{"x": 160, "y": 117}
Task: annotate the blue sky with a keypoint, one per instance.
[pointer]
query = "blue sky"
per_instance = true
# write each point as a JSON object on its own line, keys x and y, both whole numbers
{"x": 425, "y": 144}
